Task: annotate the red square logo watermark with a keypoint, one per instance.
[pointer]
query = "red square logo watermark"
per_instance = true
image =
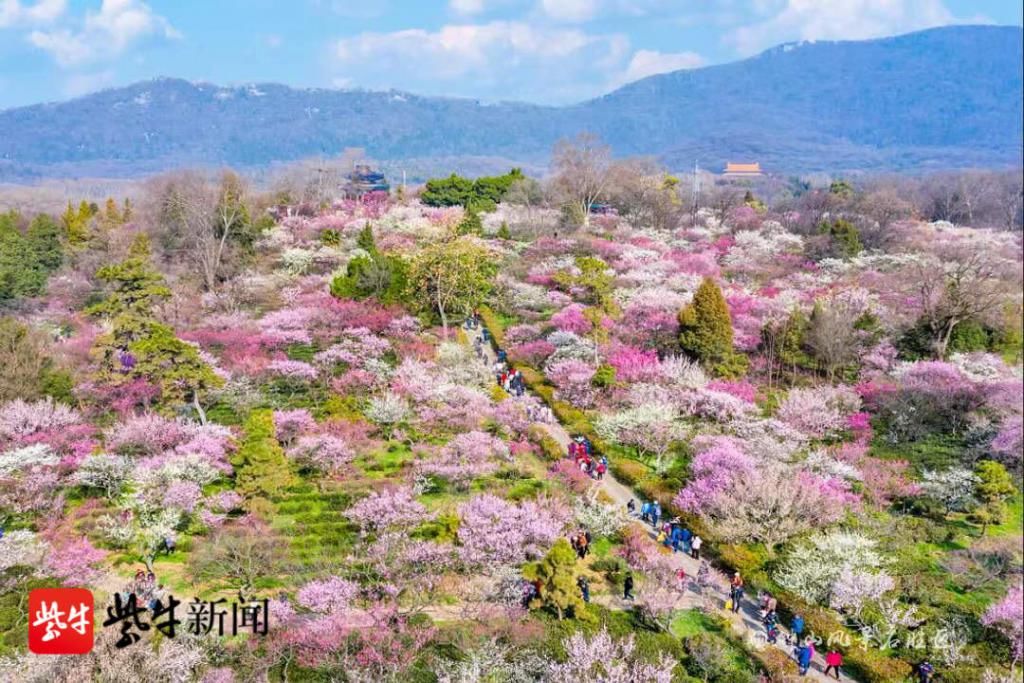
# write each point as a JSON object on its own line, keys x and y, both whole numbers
{"x": 60, "y": 621}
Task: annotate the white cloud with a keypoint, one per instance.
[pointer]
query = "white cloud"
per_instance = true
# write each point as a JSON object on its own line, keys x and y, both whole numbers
{"x": 65, "y": 47}
{"x": 466, "y": 6}
{"x": 103, "y": 34}
{"x": 837, "y": 20}
{"x": 650, "y": 62}
{"x": 570, "y": 10}
{"x": 12, "y": 12}
{"x": 496, "y": 60}
{"x": 499, "y": 60}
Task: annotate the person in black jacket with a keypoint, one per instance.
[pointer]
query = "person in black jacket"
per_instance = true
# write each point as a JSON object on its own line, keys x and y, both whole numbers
{"x": 584, "y": 588}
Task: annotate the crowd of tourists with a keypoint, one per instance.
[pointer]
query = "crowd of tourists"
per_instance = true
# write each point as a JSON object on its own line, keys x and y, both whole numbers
{"x": 671, "y": 534}
{"x": 509, "y": 378}
{"x": 582, "y": 451}
{"x": 144, "y": 589}
{"x": 580, "y": 541}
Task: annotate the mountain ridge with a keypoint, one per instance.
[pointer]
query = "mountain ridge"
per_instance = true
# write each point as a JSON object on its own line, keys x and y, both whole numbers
{"x": 947, "y": 97}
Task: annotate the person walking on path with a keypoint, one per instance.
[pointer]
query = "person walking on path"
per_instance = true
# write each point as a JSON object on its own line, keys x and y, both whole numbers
{"x": 925, "y": 671}
{"x": 695, "y": 545}
{"x": 797, "y": 628}
{"x": 771, "y": 607}
{"x": 681, "y": 579}
{"x": 631, "y": 507}
{"x": 584, "y": 545}
{"x": 806, "y": 654}
{"x": 627, "y": 587}
{"x": 645, "y": 511}
{"x": 584, "y": 588}
{"x": 655, "y": 514}
{"x": 736, "y": 592}
{"x": 833, "y": 660}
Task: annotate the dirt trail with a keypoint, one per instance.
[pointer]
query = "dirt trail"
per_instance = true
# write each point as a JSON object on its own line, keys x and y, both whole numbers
{"x": 747, "y": 623}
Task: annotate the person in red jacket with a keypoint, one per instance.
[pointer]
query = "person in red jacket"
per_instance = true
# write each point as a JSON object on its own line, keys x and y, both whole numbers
{"x": 833, "y": 660}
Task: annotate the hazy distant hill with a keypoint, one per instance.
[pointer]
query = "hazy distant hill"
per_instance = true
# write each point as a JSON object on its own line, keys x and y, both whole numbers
{"x": 949, "y": 97}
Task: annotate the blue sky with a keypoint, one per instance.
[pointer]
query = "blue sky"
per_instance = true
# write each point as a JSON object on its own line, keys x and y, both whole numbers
{"x": 549, "y": 51}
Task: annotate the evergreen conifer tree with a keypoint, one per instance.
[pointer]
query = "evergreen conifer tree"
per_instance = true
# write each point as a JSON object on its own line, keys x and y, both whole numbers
{"x": 471, "y": 224}
{"x": 706, "y": 331}
{"x": 706, "y": 325}
{"x": 556, "y": 573}
{"x": 263, "y": 469}
{"x": 366, "y": 241}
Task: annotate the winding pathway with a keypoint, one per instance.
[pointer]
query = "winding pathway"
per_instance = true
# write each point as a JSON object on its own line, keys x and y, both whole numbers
{"x": 746, "y": 624}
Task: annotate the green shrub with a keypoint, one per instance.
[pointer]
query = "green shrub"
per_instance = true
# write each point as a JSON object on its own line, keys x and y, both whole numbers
{"x": 844, "y": 236}
{"x": 443, "y": 529}
{"x": 303, "y": 352}
{"x": 612, "y": 566}
{"x": 13, "y": 609}
{"x": 969, "y": 336}
{"x": 471, "y": 224}
{"x": 493, "y": 325}
{"x": 527, "y": 488}
{"x": 776, "y": 663}
{"x": 871, "y": 666}
{"x": 713, "y": 658}
{"x": 604, "y": 377}
{"x": 731, "y": 366}
{"x": 629, "y": 472}
{"x": 549, "y": 446}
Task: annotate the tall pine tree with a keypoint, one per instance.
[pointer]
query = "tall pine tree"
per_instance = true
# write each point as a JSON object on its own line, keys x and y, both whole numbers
{"x": 556, "y": 574}
{"x": 706, "y": 327}
{"x": 706, "y": 331}
{"x": 263, "y": 469}
{"x": 138, "y": 345}
{"x": 136, "y": 287}
{"x": 27, "y": 258}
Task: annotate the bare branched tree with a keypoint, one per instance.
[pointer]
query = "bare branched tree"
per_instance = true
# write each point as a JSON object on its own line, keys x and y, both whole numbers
{"x": 310, "y": 184}
{"x": 969, "y": 287}
{"x": 239, "y": 554}
{"x": 583, "y": 169}
{"x": 723, "y": 198}
{"x": 879, "y": 209}
{"x": 644, "y": 194}
{"x": 202, "y": 219}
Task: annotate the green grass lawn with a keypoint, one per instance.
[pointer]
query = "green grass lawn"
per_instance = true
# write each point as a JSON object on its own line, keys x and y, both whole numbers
{"x": 690, "y": 622}
{"x": 315, "y": 525}
{"x": 1014, "y": 524}
{"x": 385, "y": 462}
{"x": 934, "y": 452}
{"x": 601, "y": 547}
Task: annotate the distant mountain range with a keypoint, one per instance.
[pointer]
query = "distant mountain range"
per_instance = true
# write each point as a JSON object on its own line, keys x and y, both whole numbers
{"x": 943, "y": 98}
